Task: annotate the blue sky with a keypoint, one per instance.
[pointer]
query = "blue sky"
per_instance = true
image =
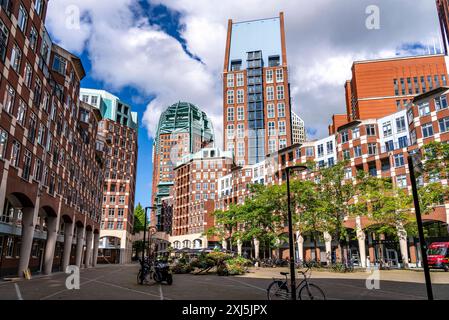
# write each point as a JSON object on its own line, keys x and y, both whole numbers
{"x": 153, "y": 53}
{"x": 168, "y": 21}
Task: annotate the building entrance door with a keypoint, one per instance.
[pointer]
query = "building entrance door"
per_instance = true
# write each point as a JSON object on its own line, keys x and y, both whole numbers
{"x": 392, "y": 257}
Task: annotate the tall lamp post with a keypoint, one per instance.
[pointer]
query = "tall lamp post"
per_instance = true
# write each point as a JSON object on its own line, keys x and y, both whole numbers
{"x": 290, "y": 229}
{"x": 142, "y": 262}
{"x": 422, "y": 240}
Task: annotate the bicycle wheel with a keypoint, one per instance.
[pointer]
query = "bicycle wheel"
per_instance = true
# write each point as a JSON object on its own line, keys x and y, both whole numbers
{"x": 277, "y": 290}
{"x": 139, "y": 280}
{"x": 311, "y": 292}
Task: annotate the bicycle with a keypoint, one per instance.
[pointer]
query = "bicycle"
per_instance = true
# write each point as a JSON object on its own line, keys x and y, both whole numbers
{"x": 147, "y": 269}
{"x": 280, "y": 289}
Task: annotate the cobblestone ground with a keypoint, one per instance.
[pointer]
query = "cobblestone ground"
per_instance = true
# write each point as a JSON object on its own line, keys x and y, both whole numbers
{"x": 120, "y": 283}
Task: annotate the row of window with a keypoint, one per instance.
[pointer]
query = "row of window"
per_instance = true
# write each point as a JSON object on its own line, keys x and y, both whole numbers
{"x": 238, "y": 79}
{"x": 370, "y": 131}
{"x": 280, "y": 95}
{"x": 270, "y": 112}
{"x": 409, "y": 86}
{"x": 112, "y": 200}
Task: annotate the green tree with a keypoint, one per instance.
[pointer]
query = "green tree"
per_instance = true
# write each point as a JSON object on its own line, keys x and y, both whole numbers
{"x": 337, "y": 194}
{"x": 139, "y": 218}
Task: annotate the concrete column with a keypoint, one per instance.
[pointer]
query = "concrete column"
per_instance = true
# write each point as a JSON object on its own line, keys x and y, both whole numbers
{"x": 402, "y": 234}
{"x": 27, "y": 239}
{"x": 79, "y": 245}
{"x": 89, "y": 236}
{"x": 95, "y": 253}
{"x": 328, "y": 244}
{"x": 239, "y": 247}
{"x": 224, "y": 244}
{"x": 361, "y": 237}
{"x": 256, "y": 248}
{"x": 50, "y": 244}
{"x": 300, "y": 243}
{"x": 68, "y": 238}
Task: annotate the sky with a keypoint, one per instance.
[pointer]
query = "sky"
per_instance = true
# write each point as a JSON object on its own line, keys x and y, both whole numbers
{"x": 153, "y": 53}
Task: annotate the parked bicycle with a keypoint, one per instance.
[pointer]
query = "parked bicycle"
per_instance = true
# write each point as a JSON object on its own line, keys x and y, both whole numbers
{"x": 279, "y": 289}
{"x": 145, "y": 272}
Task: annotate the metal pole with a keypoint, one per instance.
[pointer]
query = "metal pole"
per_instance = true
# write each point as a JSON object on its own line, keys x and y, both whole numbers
{"x": 142, "y": 276}
{"x": 420, "y": 229}
{"x": 290, "y": 239}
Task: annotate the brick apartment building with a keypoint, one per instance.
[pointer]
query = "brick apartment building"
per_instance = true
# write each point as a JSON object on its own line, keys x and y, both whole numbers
{"x": 119, "y": 129}
{"x": 195, "y": 194}
{"x": 382, "y": 87}
{"x": 51, "y": 173}
{"x": 183, "y": 129}
{"x": 256, "y": 91}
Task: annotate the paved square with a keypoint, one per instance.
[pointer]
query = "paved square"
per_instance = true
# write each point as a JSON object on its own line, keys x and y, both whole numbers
{"x": 119, "y": 282}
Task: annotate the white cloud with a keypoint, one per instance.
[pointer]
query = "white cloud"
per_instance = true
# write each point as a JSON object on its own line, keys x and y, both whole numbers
{"x": 323, "y": 39}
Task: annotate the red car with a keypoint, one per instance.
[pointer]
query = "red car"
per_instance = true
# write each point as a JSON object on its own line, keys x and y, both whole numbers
{"x": 438, "y": 255}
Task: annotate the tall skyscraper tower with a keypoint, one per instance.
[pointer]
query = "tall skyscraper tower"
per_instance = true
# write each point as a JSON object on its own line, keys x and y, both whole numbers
{"x": 183, "y": 129}
{"x": 443, "y": 15}
{"x": 256, "y": 92}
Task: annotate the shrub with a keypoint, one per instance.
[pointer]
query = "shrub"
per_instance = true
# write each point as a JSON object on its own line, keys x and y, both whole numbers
{"x": 182, "y": 268}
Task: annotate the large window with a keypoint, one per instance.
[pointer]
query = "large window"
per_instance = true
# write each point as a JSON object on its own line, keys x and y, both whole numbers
{"x": 270, "y": 93}
{"x": 280, "y": 92}
{"x": 240, "y": 96}
{"x": 370, "y": 130}
{"x": 240, "y": 113}
{"x": 28, "y": 75}
{"x": 357, "y": 151}
{"x": 270, "y": 76}
{"x": 271, "y": 129}
{"x": 423, "y": 109}
{"x": 230, "y": 132}
{"x": 388, "y": 131}
{"x": 270, "y": 108}
{"x": 320, "y": 150}
{"x": 21, "y": 112}
{"x": 344, "y": 136}
{"x": 240, "y": 131}
{"x": 271, "y": 145}
{"x": 399, "y": 160}
{"x": 240, "y": 80}
{"x": 241, "y": 149}
{"x": 444, "y": 124}
{"x": 282, "y": 128}
{"x": 309, "y": 151}
{"x": 230, "y": 80}
{"x": 15, "y": 153}
{"x": 346, "y": 154}
{"x": 400, "y": 124}
{"x": 440, "y": 103}
{"x": 16, "y": 57}
{"x": 279, "y": 75}
{"x": 59, "y": 64}
{"x": 32, "y": 127}
{"x": 26, "y": 165}
{"x": 427, "y": 130}
{"x": 372, "y": 149}
{"x": 330, "y": 147}
{"x": 401, "y": 181}
{"x": 230, "y": 113}
{"x": 355, "y": 133}
{"x": 4, "y": 32}
{"x": 281, "y": 110}
{"x": 22, "y": 18}
{"x": 230, "y": 96}
{"x": 33, "y": 38}
{"x": 3, "y": 143}
{"x": 38, "y": 5}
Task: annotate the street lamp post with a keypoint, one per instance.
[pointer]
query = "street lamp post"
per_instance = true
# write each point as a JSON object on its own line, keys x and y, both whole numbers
{"x": 290, "y": 230}
{"x": 142, "y": 263}
{"x": 420, "y": 228}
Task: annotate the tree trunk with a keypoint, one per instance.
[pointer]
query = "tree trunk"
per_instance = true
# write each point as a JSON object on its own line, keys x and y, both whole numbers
{"x": 315, "y": 244}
